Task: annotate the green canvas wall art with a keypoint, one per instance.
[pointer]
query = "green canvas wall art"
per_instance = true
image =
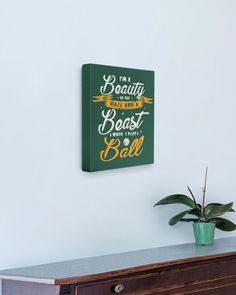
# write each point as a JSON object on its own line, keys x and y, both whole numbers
{"x": 118, "y": 117}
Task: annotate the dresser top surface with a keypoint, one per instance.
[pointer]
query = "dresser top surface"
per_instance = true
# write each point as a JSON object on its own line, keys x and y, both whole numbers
{"x": 94, "y": 267}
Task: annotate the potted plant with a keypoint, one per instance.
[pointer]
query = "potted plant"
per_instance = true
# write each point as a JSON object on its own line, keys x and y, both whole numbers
{"x": 205, "y": 218}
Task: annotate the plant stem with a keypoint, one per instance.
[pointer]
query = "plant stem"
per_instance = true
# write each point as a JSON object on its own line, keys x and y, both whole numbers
{"x": 204, "y": 194}
{"x": 192, "y": 196}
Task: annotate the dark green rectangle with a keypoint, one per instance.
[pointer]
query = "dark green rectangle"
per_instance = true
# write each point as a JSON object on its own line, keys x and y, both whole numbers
{"x": 118, "y": 117}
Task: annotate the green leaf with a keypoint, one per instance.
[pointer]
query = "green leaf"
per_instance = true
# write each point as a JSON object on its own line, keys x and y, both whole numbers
{"x": 224, "y": 224}
{"x": 189, "y": 220}
{"x": 211, "y": 206}
{"x": 176, "y": 199}
{"x": 196, "y": 212}
{"x": 219, "y": 210}
{"x": 179, "y": 216}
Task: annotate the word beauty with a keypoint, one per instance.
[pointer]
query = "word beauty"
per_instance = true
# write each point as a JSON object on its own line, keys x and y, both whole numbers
{"x": 117, "y": 117}
{"x": 134, "y": 89}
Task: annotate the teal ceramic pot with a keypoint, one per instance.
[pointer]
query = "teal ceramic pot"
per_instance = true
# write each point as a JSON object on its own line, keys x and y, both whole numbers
{"x": 204, "y": 233}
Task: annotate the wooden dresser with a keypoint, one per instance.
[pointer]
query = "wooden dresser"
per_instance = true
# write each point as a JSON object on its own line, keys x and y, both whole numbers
{"x": 172, "y": 270}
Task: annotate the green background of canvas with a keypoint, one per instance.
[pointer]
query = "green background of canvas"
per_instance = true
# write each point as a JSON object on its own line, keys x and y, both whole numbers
{"x": 92, "y": 141}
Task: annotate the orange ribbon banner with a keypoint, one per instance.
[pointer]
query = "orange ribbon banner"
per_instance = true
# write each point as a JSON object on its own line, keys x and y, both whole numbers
{"x": 120, "y": 104}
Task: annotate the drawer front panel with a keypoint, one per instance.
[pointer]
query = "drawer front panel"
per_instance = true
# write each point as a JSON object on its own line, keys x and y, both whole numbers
{"x": 182, "y": 280}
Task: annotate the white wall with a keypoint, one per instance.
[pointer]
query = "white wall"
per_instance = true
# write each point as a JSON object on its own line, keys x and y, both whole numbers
{"x": 50, "y": 210}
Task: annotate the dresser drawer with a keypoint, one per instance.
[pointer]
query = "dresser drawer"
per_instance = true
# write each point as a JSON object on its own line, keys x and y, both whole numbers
{"x": 179, "y": 280}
